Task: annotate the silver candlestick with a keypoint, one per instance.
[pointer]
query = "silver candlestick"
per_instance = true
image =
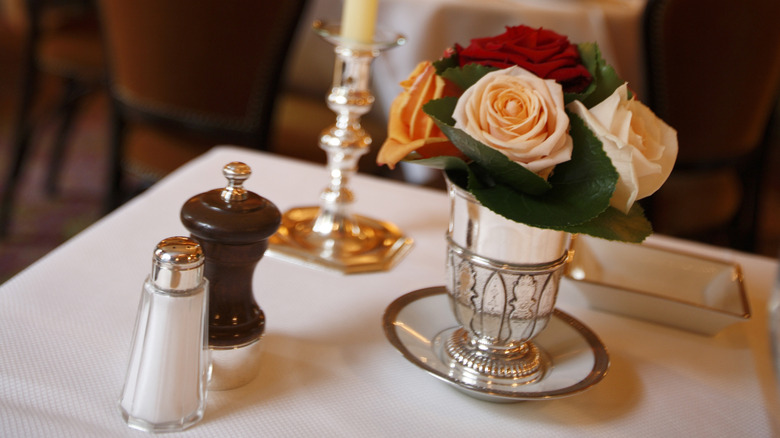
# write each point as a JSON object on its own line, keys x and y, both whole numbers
{"x": 330, "y": 236}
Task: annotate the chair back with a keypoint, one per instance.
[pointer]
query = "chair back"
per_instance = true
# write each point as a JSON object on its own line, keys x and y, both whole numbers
{"x": 713, "y": 72}
{"x": 207, "y": 66}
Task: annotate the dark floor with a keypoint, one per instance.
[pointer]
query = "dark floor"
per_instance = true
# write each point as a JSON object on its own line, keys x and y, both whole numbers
{"x": 42, "y": 222}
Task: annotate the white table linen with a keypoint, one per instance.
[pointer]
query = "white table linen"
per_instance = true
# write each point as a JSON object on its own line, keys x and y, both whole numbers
{"x": 433, "y": 25}
{"x": 66, "y": 324}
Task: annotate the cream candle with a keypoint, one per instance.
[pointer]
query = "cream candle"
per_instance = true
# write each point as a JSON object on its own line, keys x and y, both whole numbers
{"x": 358, "y": 20}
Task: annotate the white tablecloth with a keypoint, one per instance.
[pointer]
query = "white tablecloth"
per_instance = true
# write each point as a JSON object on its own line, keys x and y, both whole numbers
{"x": 433, "y": 25}
{"x": 328, "y": 371}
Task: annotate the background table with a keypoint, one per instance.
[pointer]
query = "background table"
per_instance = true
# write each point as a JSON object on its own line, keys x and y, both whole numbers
{"x": 433, "y": 25}
{"x": 328, "y": 371}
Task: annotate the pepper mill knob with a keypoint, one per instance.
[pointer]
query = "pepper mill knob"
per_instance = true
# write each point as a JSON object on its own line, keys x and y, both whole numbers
{"x": 232, "y": 226}
{"x": 236, "y": 173}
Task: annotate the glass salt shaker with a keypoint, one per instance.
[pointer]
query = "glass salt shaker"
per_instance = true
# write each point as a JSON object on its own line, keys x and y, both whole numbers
{"x": 165, "y": 388}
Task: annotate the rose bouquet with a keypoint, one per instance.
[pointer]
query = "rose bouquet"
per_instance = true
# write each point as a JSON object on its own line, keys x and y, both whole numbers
{"x": 539, "y": 130}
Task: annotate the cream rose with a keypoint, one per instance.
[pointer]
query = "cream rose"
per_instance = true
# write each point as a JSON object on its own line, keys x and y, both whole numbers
{"x": 520, "y": 115}
{"x": 641, "y": 146}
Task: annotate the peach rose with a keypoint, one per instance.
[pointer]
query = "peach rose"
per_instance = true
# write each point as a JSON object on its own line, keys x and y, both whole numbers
{"x": 641, "y": 146}
{"x": 519, "y": 114}
{"x": 409, "y": 128}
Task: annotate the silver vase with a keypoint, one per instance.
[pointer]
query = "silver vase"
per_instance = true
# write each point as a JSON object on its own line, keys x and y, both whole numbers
{"x": 502, "y": 279}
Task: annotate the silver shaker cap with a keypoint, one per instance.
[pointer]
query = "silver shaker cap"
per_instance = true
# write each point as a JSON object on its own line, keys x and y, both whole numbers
{"x": 177, "y": 264}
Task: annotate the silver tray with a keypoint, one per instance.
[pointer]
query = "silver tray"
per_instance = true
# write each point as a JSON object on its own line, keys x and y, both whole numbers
{"x": 681, "y": 290}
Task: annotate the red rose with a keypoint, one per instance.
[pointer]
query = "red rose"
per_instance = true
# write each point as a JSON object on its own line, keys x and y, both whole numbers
{"x": 543, "y": 52}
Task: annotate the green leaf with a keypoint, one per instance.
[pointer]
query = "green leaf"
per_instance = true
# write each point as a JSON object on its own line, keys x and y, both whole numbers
{"x": 613, "y": 224}
{"x": 581, "y": 188}
{"x": 605, "y": 79}
{"x": 441, "y": 110}
{"x": 496, "y": 165}
{"x": 466, "y": 76}
{"x": 443, "y": 64}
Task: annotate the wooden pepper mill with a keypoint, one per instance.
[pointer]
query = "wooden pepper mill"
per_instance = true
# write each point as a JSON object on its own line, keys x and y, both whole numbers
{"x": 232, "y": 226}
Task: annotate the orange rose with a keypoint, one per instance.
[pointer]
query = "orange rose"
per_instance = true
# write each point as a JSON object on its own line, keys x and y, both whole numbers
{"x": 409, "y": 128}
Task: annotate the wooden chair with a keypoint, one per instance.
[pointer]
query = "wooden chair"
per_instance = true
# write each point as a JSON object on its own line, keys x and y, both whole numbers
{"x": 62, "y": 40}
{"x": 185, "y": 76}
{"x": 713, "y": 71}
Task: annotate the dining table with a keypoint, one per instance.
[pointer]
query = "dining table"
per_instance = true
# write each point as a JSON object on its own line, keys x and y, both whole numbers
{"x": 327, "y": 368}
{"x": 431, "y": 26}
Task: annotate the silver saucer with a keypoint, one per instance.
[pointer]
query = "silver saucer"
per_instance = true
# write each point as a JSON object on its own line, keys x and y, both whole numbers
{"x": 578, "y": 359}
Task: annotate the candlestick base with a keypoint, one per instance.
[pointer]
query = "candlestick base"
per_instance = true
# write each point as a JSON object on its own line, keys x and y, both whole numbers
{"x": 361, "y": 245}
